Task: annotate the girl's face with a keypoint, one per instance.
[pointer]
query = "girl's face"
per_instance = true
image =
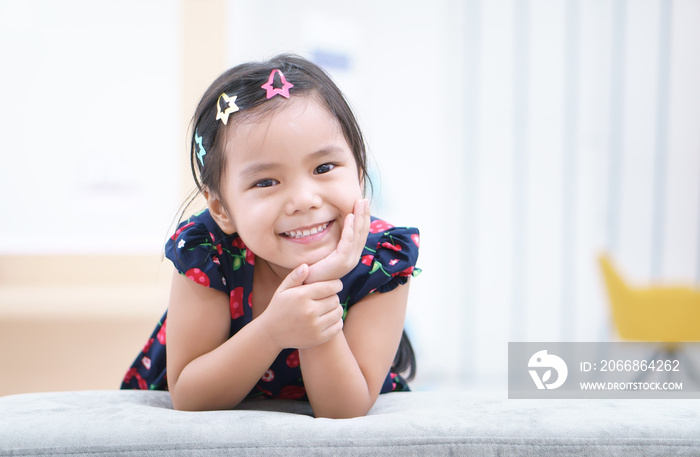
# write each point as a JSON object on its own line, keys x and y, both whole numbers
{"x": 290, "y": 180}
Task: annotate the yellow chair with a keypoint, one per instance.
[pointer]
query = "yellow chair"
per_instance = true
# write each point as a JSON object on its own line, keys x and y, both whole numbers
{"x": 666, "y": 314}
{"x": 658, "y": 313}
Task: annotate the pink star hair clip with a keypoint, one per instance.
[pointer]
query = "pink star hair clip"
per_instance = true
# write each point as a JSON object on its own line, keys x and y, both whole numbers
{"x": 272, "y": 91}
{"x": 232, "y": 107}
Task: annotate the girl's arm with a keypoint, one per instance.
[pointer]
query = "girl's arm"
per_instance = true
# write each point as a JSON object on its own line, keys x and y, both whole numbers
{"x": 358, "y": 359}
{"x": 208, "y": 370}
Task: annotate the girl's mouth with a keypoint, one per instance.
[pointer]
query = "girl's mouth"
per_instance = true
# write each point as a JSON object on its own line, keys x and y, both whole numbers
{"x": 308, "y": 231}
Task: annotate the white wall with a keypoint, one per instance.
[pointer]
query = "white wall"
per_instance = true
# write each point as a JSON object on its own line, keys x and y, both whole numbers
{"x": 89, "y": 117}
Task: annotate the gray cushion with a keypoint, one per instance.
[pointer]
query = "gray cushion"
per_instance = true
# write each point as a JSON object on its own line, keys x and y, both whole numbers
{"x": 415, "y": 423}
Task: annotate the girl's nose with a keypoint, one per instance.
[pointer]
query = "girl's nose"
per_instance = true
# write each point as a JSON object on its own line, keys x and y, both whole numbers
{"x": 302, "y": 197}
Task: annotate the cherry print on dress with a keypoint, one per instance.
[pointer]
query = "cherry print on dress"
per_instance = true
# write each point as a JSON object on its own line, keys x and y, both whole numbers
{"x": 393, "y": 247}
{"x": 132, "y": 373}
{"x": 378, "y": 226}
{"x": 292, "y": 392}
{"x": 416, "y": 239}
{"x": 293, "y": 359}
{"x": 198, "y": 276}
{"x": 236, "y": 303}
{"x": 161, "y": 333}
{"x": 268, "y": 376}
{"x": 180, "y": 230}
{"x": 148, "y": 345}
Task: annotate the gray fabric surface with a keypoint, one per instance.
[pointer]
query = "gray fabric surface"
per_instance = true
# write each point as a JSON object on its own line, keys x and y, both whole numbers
{"x": 406, "y": 424}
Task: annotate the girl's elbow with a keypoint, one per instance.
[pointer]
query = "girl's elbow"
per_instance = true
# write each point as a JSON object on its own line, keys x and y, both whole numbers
{"x": 182, "y": 402}
{"x": 192, "y": 404}
{"x": 191, "y": 401}
{"x": 340, "y": 415}
{"x": 347, "y": 412}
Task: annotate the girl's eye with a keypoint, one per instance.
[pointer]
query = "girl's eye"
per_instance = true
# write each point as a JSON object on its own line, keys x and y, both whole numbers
{"x": 325, "y": 168}
{"x": 265, "y": 183}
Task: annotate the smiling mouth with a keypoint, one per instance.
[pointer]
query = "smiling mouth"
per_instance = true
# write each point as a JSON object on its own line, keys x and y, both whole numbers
{"x": 296, "y": 234}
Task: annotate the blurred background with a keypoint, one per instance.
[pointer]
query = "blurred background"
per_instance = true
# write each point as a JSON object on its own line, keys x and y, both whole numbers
{"x": 523, "y": 137}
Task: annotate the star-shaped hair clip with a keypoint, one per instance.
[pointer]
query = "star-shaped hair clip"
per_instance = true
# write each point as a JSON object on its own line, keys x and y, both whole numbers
{"x": 201, "y": 152}
{"x": 232, "y": 107}
{"x": 272, "y": 91}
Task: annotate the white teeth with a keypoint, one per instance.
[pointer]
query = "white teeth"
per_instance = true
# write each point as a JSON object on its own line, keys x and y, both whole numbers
{"x": 307, "y": 232}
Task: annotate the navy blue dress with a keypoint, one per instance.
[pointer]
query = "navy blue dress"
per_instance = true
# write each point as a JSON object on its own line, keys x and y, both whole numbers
{"x": 205, "y": 254}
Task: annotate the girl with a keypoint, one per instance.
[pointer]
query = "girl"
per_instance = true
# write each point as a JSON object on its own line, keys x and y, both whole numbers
{"x": 285, "y": 286}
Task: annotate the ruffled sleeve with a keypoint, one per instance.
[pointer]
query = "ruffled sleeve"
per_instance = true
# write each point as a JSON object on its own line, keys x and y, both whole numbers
{"x": 388, "y": 260}
{"x": 197, "y": 250}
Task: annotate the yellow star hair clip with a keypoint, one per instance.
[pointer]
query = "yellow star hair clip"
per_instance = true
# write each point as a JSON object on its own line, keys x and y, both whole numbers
{"x": 232, "y": 107}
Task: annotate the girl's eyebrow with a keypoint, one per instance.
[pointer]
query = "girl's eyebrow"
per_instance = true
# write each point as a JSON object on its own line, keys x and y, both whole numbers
{"x": 255, "y": 168}
{"x": 324, "y": 152}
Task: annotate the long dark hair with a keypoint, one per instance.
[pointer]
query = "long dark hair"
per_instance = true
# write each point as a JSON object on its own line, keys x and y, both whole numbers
{"x": 244, "y": 81}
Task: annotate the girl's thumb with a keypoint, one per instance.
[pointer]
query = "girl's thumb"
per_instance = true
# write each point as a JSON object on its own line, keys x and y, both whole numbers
{"x": 301, "y": 272}
{"x": 296, "y": 277}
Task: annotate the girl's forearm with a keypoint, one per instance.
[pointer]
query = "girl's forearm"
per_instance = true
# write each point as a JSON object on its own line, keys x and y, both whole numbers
{"x": 223, "y": 377}
{"x": 348, "y": 394}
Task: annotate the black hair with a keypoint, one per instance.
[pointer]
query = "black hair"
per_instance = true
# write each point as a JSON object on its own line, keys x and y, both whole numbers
{"x": 244, "y": 82}
{"x": 405, "y": 359}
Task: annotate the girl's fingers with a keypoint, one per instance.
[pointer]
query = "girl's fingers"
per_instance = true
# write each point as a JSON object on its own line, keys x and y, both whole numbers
{"x": 361, "y": 225}
{"x": 332, "y": 317}
{"x": 328, "y": 307}
{"x": 364, "y": 223}
{"x": 348, "y": 235}
{"x": 334, "y": 327}
{"x": 295, "y": 278}
{"x": 350, "y": 246}
{"x": 323, "y": 290}
{"x": 359, "y": 218}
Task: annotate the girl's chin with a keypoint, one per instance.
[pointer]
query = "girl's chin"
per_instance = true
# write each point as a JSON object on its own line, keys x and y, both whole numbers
{"x": 310, "y": 259}
{"x": 308, "y": 254}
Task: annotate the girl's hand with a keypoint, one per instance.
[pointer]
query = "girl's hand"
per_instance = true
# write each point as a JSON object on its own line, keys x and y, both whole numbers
{"x": 352, "y": 241}
{"x": 303, "y": 315}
